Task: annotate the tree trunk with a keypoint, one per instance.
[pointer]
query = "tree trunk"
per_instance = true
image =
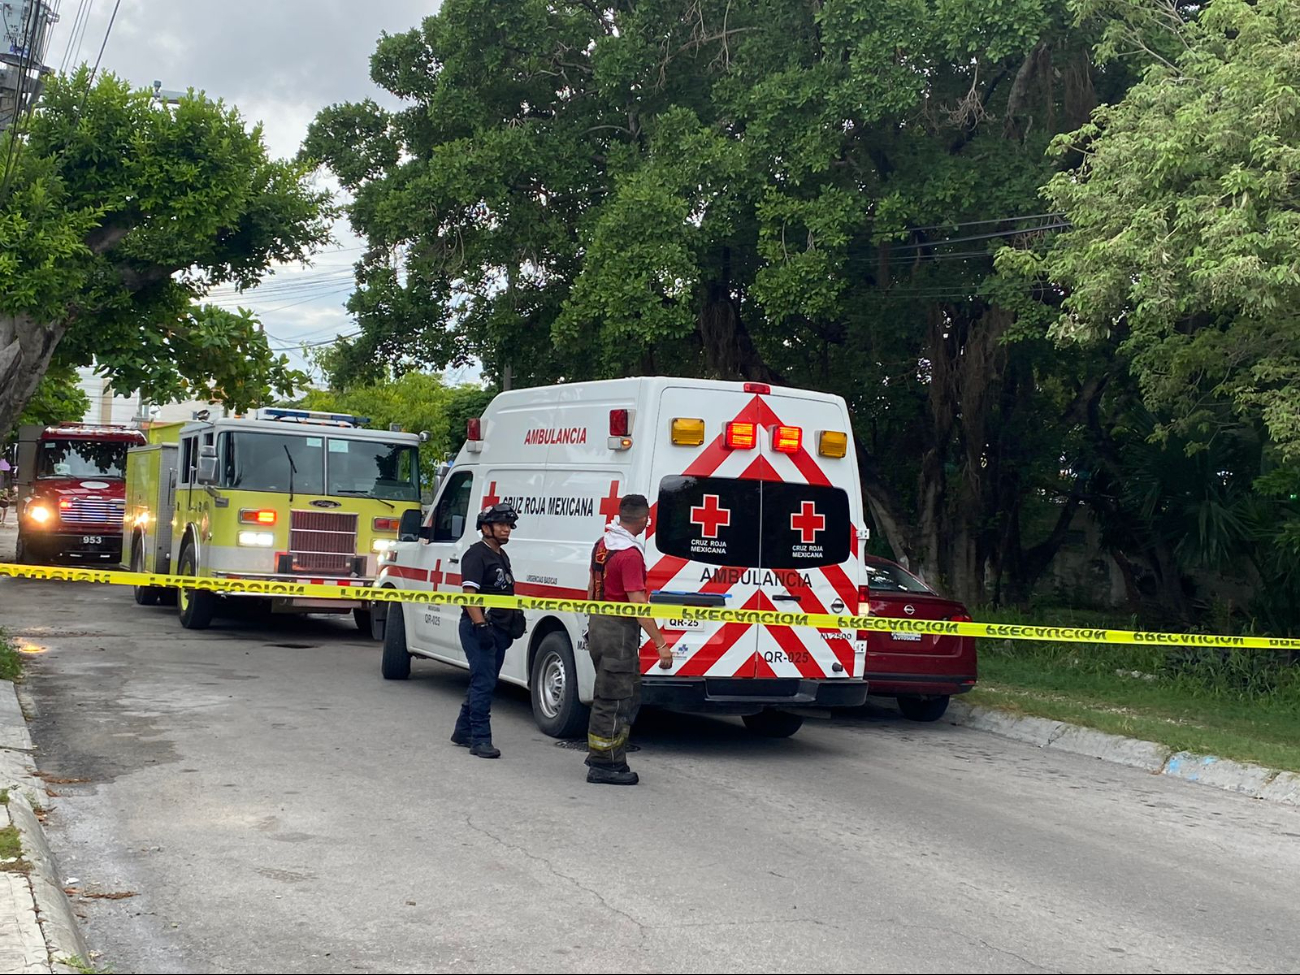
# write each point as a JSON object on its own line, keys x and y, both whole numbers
{"x": 729, "y": 351}
{"x": 26, "y": 347}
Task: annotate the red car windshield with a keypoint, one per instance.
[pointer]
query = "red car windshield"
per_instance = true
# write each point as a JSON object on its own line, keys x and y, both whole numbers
{"x": 885, "y": 577}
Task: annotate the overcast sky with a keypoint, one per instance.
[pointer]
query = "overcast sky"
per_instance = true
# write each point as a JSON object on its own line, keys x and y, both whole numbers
{"x": 279, "y": 62}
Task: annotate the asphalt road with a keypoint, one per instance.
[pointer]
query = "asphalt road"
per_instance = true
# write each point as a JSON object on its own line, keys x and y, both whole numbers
{"x": 272, "y": 805}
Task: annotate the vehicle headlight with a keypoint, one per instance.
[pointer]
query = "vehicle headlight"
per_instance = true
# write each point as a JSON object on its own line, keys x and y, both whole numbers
{"x": 382, "y": 544}
{"x": 257, "y": 539}
{"x": 40, "y": 514}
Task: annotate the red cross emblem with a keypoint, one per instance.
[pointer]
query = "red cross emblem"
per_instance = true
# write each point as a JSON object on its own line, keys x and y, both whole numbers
{"x": 491, "y": 497}
{"x": 609, "y": 503}
{"x": 436, "y": 574}
{"x": 807, "y": 522}
{"x": 710, "y": 516}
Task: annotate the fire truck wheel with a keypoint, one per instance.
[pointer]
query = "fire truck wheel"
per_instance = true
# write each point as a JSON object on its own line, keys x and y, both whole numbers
{"x": 923, "y": 708}
{"x": 197, "y": 607}
{"x": 363, "y": 620}
{"x": 144, "y": 595}
{"x": 773, "y": 724}
{"x": 396, "y": 661}
{"x": 554, "y": 689}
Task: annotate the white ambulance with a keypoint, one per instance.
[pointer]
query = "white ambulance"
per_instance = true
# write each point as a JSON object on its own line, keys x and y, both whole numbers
{"x": 755, "y": 504}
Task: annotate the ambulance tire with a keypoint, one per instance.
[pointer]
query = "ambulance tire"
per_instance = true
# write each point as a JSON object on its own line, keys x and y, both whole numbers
{"x": 923, "y": 708}
{"x": 144, "y": 595}
{"x": 553, "y": 686}
{"x": 773, "y": 724}
{"x": 396, "y": 661}
{"x": 197, "y": 606}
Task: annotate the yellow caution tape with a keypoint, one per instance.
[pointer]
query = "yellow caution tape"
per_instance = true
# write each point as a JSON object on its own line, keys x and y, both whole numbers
{"x": 1061, "y": 634}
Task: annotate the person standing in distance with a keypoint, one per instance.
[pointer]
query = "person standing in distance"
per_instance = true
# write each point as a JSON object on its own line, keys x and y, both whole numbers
{"x": 614, "y": 643}
{"x": 485, "y": 635}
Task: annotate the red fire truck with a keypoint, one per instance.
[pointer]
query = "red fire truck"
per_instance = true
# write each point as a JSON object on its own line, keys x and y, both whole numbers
{"x": 71, "y": 491}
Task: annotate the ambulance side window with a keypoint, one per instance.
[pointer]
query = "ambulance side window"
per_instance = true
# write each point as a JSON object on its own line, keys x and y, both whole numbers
{"x": 450, "y": 515}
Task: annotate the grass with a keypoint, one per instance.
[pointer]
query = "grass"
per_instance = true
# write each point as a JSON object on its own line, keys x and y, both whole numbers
{"x": 1237, "y": 704}
{"x": 11, "y": 662}
{"x": 79, "y": 964}
{"x": 11, "y": 851}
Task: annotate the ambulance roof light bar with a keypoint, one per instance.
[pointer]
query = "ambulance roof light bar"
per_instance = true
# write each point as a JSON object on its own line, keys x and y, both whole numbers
{"x": 312, "y": 416}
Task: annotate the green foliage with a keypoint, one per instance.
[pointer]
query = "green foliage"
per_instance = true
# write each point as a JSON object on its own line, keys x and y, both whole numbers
{"x": 1185, "y": 239}
{"x": 416, "y": 402}
{"x": 58, "y": 399}
{"x": 120, "y": 218}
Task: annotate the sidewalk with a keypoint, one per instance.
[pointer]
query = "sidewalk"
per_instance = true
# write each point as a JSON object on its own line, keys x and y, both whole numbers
{"x": 38, "y": 931}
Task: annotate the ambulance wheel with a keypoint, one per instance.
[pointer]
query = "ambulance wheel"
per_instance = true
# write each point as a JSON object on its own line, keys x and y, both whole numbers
{"x": 364, "y": 620}
{"x": 396, "y": 661}
{"x": 923, "y": 708}
{"x": 197, "y": 606}
{"x": 773, "y": 724}
{"x": 144, "y": 595}
{"x": 554, "y": 689}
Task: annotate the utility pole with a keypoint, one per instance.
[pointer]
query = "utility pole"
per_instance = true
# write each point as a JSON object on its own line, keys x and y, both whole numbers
{"x": 24, "y": 38}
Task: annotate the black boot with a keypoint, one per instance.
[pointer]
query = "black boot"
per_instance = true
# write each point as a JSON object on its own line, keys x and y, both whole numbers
{"x": 484, "y": 749}
{"x": 459, "y": 739}
{"x": 605, "y": 775}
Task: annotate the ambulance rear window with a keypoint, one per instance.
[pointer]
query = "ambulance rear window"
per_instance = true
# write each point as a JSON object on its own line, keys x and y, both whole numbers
{"x": 768, "y": 524}
{"x": 804, "y": 526}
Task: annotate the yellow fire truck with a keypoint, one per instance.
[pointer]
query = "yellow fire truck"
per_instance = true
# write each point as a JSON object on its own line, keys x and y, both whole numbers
{"x": 282, "y": 495}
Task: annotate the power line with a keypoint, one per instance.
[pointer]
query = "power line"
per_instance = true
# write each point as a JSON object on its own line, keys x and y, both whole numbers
{"x": 981, "y": 223}
{"x": 82, "y": 36}
{"x": 78, "y": 18}
{"x": 13, "y": 153}
{"x": 108, "y": 30}
{"x": 1059, "y": 225}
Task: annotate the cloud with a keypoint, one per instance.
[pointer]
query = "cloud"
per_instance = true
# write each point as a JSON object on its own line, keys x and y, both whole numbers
{"x": 279, "y": 62}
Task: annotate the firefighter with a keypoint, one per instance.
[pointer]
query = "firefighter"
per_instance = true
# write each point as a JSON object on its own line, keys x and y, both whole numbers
{"x": 618, "y": 574}
{"x": 486, "y": 634}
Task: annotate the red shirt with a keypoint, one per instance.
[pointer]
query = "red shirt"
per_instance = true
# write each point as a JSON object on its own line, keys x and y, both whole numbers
{"x": 624, "y": 573}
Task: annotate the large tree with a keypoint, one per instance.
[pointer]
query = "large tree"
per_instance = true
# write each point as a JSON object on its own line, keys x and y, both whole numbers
{"x": 116, "y": 217}
{"x": 1184, "y": 239}
{"x": 803, "y": 191}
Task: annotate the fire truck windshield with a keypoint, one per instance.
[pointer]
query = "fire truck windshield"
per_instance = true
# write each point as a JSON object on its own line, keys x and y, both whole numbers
{"x": 80, "y": 458}
{"x": 321, "y": 464}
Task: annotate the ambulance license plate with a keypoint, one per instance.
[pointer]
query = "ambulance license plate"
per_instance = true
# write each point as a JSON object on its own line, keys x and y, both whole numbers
{"x": 95, "y": 540}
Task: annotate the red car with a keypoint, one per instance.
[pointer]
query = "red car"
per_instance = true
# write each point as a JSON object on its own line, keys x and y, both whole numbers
{"x": 922, "y": 671}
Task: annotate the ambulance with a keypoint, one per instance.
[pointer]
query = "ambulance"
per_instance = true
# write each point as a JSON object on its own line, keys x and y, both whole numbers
{"x": 281, "y": 495}
{"x": 755, "y": 504}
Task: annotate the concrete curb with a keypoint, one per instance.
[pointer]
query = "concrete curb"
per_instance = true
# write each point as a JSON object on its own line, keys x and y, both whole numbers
{"x": 1255, "y": 781}
{"x": 63, "y": 936}
{"x": 54, "y": 915}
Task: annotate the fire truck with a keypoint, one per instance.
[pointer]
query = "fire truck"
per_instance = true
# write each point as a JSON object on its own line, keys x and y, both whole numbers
{"x": 70, "y": 490}
{"x": 279, "y": 495}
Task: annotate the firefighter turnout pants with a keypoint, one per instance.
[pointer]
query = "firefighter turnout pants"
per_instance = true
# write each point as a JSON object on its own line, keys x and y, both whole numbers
{"x": 615, "y": 647}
